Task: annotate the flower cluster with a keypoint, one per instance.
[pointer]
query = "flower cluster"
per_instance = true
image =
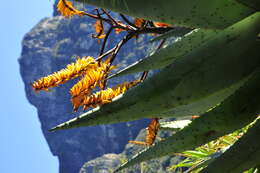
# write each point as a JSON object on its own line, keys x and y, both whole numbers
{"x": 93, "y": 74}
{"x": 93, "y": 77}
{"x": 106, "y": 96}
{"x": 73, "y": 70}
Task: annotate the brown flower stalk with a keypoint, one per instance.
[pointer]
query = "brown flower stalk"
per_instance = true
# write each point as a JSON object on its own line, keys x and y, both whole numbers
{"x": 72, "y": 70}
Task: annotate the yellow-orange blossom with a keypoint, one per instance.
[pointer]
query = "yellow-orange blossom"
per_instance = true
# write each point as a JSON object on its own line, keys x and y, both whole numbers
{"x": 72, "y": 70}
{"x": 93, "y": 74}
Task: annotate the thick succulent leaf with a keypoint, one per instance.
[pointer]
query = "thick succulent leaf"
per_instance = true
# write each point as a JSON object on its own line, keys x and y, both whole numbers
{"x": 252, "y": 170}
{"x": 241, "y": 156}
{"x": 235, "y": 112}
{"x": 174, "y": 125}
{"x": 204, "y": 73}
{"x": 176, "y": 32}
{"x": 167, "y": 55}
{"x": 194, "y": 14}
{"x": 254, "y": 4}
{"x": 204, "y": 104}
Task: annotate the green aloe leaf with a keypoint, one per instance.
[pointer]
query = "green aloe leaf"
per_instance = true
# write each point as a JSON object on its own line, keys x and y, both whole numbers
{"x": 243, "y": 155}
{"x": 252, "y": 170}
{"x": 193, "y": 14}
{"x": 254, "y": 4}
{"x": 167, "y": 55}
{"x": 205, "y": 73}
{"x": 234, "y": 113}
{"x": 174, "y": 125}
{"x": 176, "y": 32}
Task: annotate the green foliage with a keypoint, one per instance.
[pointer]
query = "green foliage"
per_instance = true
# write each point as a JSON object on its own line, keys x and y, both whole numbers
{"x": 196, "y": 13}
{"x": 199, "y": 158}
{"x": 213, "y": 71}
{"x": 177, "y": 32}
{"x": 200, "y": 80}
{"x": 241, "y": 156}
{"x": 165, "y": 56}
{"x": 254, "y": 4}
{"x": 222, "y": 120}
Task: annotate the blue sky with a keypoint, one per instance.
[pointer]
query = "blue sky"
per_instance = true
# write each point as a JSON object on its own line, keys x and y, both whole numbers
{"x": 23, "y": 148}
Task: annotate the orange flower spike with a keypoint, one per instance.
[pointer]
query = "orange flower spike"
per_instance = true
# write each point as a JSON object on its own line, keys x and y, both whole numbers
{"x": 138, "y": 142}
{"x": 92, "y": 78}
{"x": 194, "y": 117}
{"x": 151, "y": 133}
{"x": 66, "y": 9}
{"x": 152, "y": 130}
{"x": 99, "y": 28}
{"x": 159, "y": 24}
{"x": 72, "y": 70}
{"x": 139, "y": 22}
{"x": 106, "y": 96}
{"x": 119, "y": 30}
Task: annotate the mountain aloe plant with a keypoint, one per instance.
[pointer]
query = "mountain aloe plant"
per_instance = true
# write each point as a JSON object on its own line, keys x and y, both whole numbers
{"x": 211, "y": 70}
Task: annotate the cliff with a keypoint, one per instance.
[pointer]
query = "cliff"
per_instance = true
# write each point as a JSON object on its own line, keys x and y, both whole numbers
{"x": 109, "y": 162}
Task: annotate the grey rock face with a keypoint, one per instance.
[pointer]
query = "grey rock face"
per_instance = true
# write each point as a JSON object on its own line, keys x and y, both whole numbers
{"x": 109, "y": 162}
{"x": 103, "y": 164}
{"x": 50, "y": 46}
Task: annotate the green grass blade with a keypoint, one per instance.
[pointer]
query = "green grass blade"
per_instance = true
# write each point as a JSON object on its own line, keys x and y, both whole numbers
{"x": 243, "y": 155}
{"x": 195, "y": 154}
